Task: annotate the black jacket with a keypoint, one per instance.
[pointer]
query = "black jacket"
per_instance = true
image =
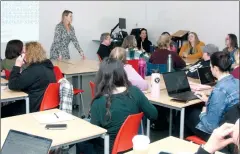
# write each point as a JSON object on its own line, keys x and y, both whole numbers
{"x": 103, "y": 51}
{"x": 34, "y": 80}
{"x": 192, "y": 71}
{"x": 146, "y": 45}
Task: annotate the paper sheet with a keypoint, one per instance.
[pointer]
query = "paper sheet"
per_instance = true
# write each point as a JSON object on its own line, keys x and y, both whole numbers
{"x": 53, "y": 118}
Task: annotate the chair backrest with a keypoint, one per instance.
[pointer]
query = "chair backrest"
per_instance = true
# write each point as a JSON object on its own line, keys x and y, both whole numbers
{"x": 58, "y": 73}
{"x": 162, "y": 68}
{"x": 134, "y": 63}
{"x": 51, "y": 97}
{"x": 92, "y": 86}
{"x": 126, "y": 133}
{"x": 7, "y": 74}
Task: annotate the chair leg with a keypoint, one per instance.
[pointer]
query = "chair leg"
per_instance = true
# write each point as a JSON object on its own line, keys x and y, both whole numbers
{"x": 83, "y": 108}
{"x": 142, "y": 127}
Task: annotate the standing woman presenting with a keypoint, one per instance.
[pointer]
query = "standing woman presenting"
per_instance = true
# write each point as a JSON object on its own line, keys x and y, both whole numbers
{"x": 64, "y": 33}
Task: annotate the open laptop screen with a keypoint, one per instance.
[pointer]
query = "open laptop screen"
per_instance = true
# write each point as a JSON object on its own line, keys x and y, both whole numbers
{"x": 23, "y": 143}
{"x": 176, "y": 82}
{"x": 205, "y": 75}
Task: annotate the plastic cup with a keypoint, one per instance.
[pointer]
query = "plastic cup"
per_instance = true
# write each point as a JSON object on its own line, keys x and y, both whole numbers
{"x": 140, "y": 144}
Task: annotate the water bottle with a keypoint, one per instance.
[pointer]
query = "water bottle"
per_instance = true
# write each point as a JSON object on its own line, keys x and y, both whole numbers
{"x": 155, "y": 85}
{"x": 169, "y": 63}
{"x": 142, "y": 66}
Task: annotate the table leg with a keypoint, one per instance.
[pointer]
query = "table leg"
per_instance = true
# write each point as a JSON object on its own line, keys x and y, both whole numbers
{"x": 182, "y": 123}
{"x": 27, "y": 104}
{"x": 106, "y": 144}
{"x": 148, "y": 128}
{"x": 170, "y": 123}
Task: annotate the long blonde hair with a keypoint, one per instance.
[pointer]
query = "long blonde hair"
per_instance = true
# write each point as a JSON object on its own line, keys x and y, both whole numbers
{"x": 118, "y": 53}
{"x": 196, "y": 39}
{"x": 34, "y": 52}
{"x": 65, "y": 13}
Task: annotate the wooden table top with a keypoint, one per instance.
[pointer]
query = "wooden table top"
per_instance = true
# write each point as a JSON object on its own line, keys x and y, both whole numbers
{"x": 164, "y": 97}
{"x": 172, "y": 145}
{"x": 4, "y": 81}
{"x": 77, "y": 129}
{"x": 180, "y": 33}
{"x": 69, "y": 67}
{"x": 9, "y": 94}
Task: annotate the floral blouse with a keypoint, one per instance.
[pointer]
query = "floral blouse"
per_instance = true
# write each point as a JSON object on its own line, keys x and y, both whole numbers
{"x": 61, "y": 41}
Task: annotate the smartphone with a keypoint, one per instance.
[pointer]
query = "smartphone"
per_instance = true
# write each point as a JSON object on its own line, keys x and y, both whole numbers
{"x": 56, "y": 126}
{"x": 164, "y": 152}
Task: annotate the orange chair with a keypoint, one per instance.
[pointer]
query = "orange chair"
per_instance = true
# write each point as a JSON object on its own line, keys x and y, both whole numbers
{"x": 7, "y": 74}
{"x": 51, "y": 97}
{"x": 134, "y": 63}
{"x": 126, "y": 133}
{"x": 58, "y": 74}
{"x": 92, "y": 86}
{"x": 196, "y": 140}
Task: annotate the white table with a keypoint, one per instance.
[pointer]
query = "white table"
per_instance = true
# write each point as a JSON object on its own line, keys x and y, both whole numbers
{"x": 165, "y": 101}
{"x": 172, "y": 145}
{"x": 4, "y": 81}
{"x": 9, "y": 95}
{"x": 78, "y": 130}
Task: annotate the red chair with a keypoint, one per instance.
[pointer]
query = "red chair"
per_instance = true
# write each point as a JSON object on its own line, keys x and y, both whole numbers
{"x": 126, "y": 133}
{"x": 51, "y": 97}
{"x": 196, "y": 140}
{"x": 59, "y": 75}
{"x": 92, "y": 86}
{"x": 134, "y": 63}
{"x": 7, "y": 74}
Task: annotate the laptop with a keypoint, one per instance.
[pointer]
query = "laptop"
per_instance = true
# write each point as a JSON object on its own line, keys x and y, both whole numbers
{"x": 178, "y": 87}
{"x": 22, "y": 143}
{"x": 205, "y": 76}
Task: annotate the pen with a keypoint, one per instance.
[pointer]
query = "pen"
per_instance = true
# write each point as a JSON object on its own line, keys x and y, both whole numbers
{"x": 56, "y": 115}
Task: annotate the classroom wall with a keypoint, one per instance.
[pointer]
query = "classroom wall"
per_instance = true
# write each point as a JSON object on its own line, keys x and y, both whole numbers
{"x": 211, "y": 20}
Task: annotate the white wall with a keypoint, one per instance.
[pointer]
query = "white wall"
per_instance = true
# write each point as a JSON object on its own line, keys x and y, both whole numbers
{"x": 90, "y": 19}
{"x": 212, "y": 21}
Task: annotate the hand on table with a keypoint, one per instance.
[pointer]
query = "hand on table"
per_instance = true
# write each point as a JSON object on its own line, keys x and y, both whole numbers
{"x": 82, "y": 54}
{"x": 185, "y": 55}
{"x": 20, "y": 60}
{"x": 60, "y": 57}
{"x": 201, "y": 96}
{"x": 218, "y": 139}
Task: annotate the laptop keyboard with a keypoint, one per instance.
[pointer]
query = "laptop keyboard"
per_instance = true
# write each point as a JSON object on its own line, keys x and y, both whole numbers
{"x": 185, "y": 96}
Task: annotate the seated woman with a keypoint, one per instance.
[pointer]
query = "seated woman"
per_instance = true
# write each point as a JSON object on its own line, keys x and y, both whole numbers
{"x": 173, "y": 45}
{"x": 193, "y": 48}
{"x": 35, "y": 79}
{"x": 160, "y": 56}
{"x": 236, "y": 67}
{"x": 13, "y": 50}
{"x": 231, "y": 45}
{"x": 225, "y": 94}
{"x": 114, "y": 101}
{"x": 136, "y": 80}
{"x": 132, "y": 52}
{"x": 143, "y": 43}
{"x": 220, "y": 138}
